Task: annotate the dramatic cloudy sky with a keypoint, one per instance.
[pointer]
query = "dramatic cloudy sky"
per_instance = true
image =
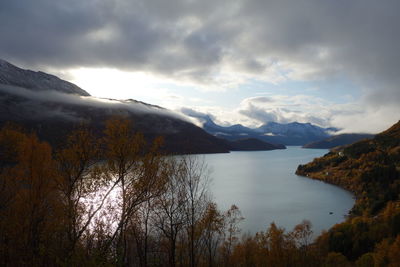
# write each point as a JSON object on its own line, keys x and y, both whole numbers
{"x": 328, "y": 62}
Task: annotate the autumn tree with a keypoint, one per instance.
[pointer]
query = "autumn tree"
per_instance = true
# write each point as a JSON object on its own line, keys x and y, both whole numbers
{"x": 31, "y": 217}
{"x": 76, "y": 163}
{"x": 302, "y": 235}
{"x": 136, "y": 169}
{"x": 169, "y": 216}
{"x": 212, "y": 225}
{"x": 196, "y": 182}
{"x": 141, "y": 231}
{"x": 232, "y": 219}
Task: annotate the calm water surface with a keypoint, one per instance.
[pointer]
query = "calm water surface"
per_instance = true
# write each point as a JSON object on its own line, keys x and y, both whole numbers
{"x": 263, "y": 185}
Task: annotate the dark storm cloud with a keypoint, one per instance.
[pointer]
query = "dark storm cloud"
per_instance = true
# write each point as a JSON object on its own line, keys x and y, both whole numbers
{"x": 194, "y": 40}
{"x": 359, "y": 38}
{"x": 144, "y": 35}
{"x": 44, "y": 32}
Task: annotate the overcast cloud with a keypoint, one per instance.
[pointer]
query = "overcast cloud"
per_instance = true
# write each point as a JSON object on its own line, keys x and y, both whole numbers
{"x": 220, "y": 44}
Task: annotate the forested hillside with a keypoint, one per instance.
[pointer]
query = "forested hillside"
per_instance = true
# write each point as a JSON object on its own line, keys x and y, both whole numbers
{"x": 371, "y": 170}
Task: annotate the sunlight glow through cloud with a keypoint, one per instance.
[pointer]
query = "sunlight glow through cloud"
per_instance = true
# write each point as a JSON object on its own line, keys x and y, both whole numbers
{"x": 115, "y": 83}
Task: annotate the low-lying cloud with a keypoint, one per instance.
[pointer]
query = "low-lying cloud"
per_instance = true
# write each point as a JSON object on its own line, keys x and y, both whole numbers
{"x": 285, "y": 109}
{"x": 39, "y": 99}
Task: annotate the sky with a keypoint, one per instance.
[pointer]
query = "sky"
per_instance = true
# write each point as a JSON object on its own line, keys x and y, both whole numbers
{"x": 333, "y": 63}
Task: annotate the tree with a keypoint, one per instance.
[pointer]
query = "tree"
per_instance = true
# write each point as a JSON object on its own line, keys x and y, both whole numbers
{"x": 33, "y": 214}
{"x": 233, "y": 217}
{"x": 196, "y": 182}
{"x": 11, "y": 140}
{"x": 334, "y": 259}
{"x": 170, "y": 216}
{"x": 138, "y": 174}
{"x": 141, "y": 230}
{"x": 76, "y": 164}
{"x": 212, "y": 225}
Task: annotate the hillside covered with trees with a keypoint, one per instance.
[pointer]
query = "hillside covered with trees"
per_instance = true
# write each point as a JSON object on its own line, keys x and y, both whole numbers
{"x": 371, "y": 170}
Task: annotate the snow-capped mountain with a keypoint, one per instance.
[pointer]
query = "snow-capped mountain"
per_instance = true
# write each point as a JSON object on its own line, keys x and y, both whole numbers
{"x": 294, "y": 129}
{"x": 294, "y": 133}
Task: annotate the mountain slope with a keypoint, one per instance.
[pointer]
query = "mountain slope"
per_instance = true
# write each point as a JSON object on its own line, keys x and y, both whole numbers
{"x": 52, "y": 107}
{"x": 374, "y": 160}
{"x": 371, "y": 170}
{"x": 36, "y": 81}
{"x": 251, "y": 144}
{"x": 338, "y": 140}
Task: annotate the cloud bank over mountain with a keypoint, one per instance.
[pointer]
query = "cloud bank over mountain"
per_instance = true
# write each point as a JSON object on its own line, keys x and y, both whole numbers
{"x": 87, "y": 101}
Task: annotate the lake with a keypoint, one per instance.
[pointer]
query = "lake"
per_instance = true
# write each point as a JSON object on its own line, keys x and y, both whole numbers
{"x": 265, "y": 188}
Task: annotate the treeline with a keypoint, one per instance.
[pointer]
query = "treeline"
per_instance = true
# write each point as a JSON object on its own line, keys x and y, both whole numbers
{"x": 371, "y": 170}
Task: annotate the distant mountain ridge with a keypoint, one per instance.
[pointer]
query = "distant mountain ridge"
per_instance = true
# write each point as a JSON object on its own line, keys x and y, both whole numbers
{"x": 251, "y": 144}
{"x": 338, "y": 140}
{"x": 293, "y": 133}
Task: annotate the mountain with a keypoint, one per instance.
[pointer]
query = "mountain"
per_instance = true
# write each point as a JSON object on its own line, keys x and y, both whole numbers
{"x": 53, "y": 107}
{"x": 36, "y": 81}
{"x": 294, "y": 133}
{"x": 338, "y": 140}
{"x": 211, "y": 127}
{"x": 355, "y": 165}
{"x": 251, "y": 144}
{"x": 371, "y": 170}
